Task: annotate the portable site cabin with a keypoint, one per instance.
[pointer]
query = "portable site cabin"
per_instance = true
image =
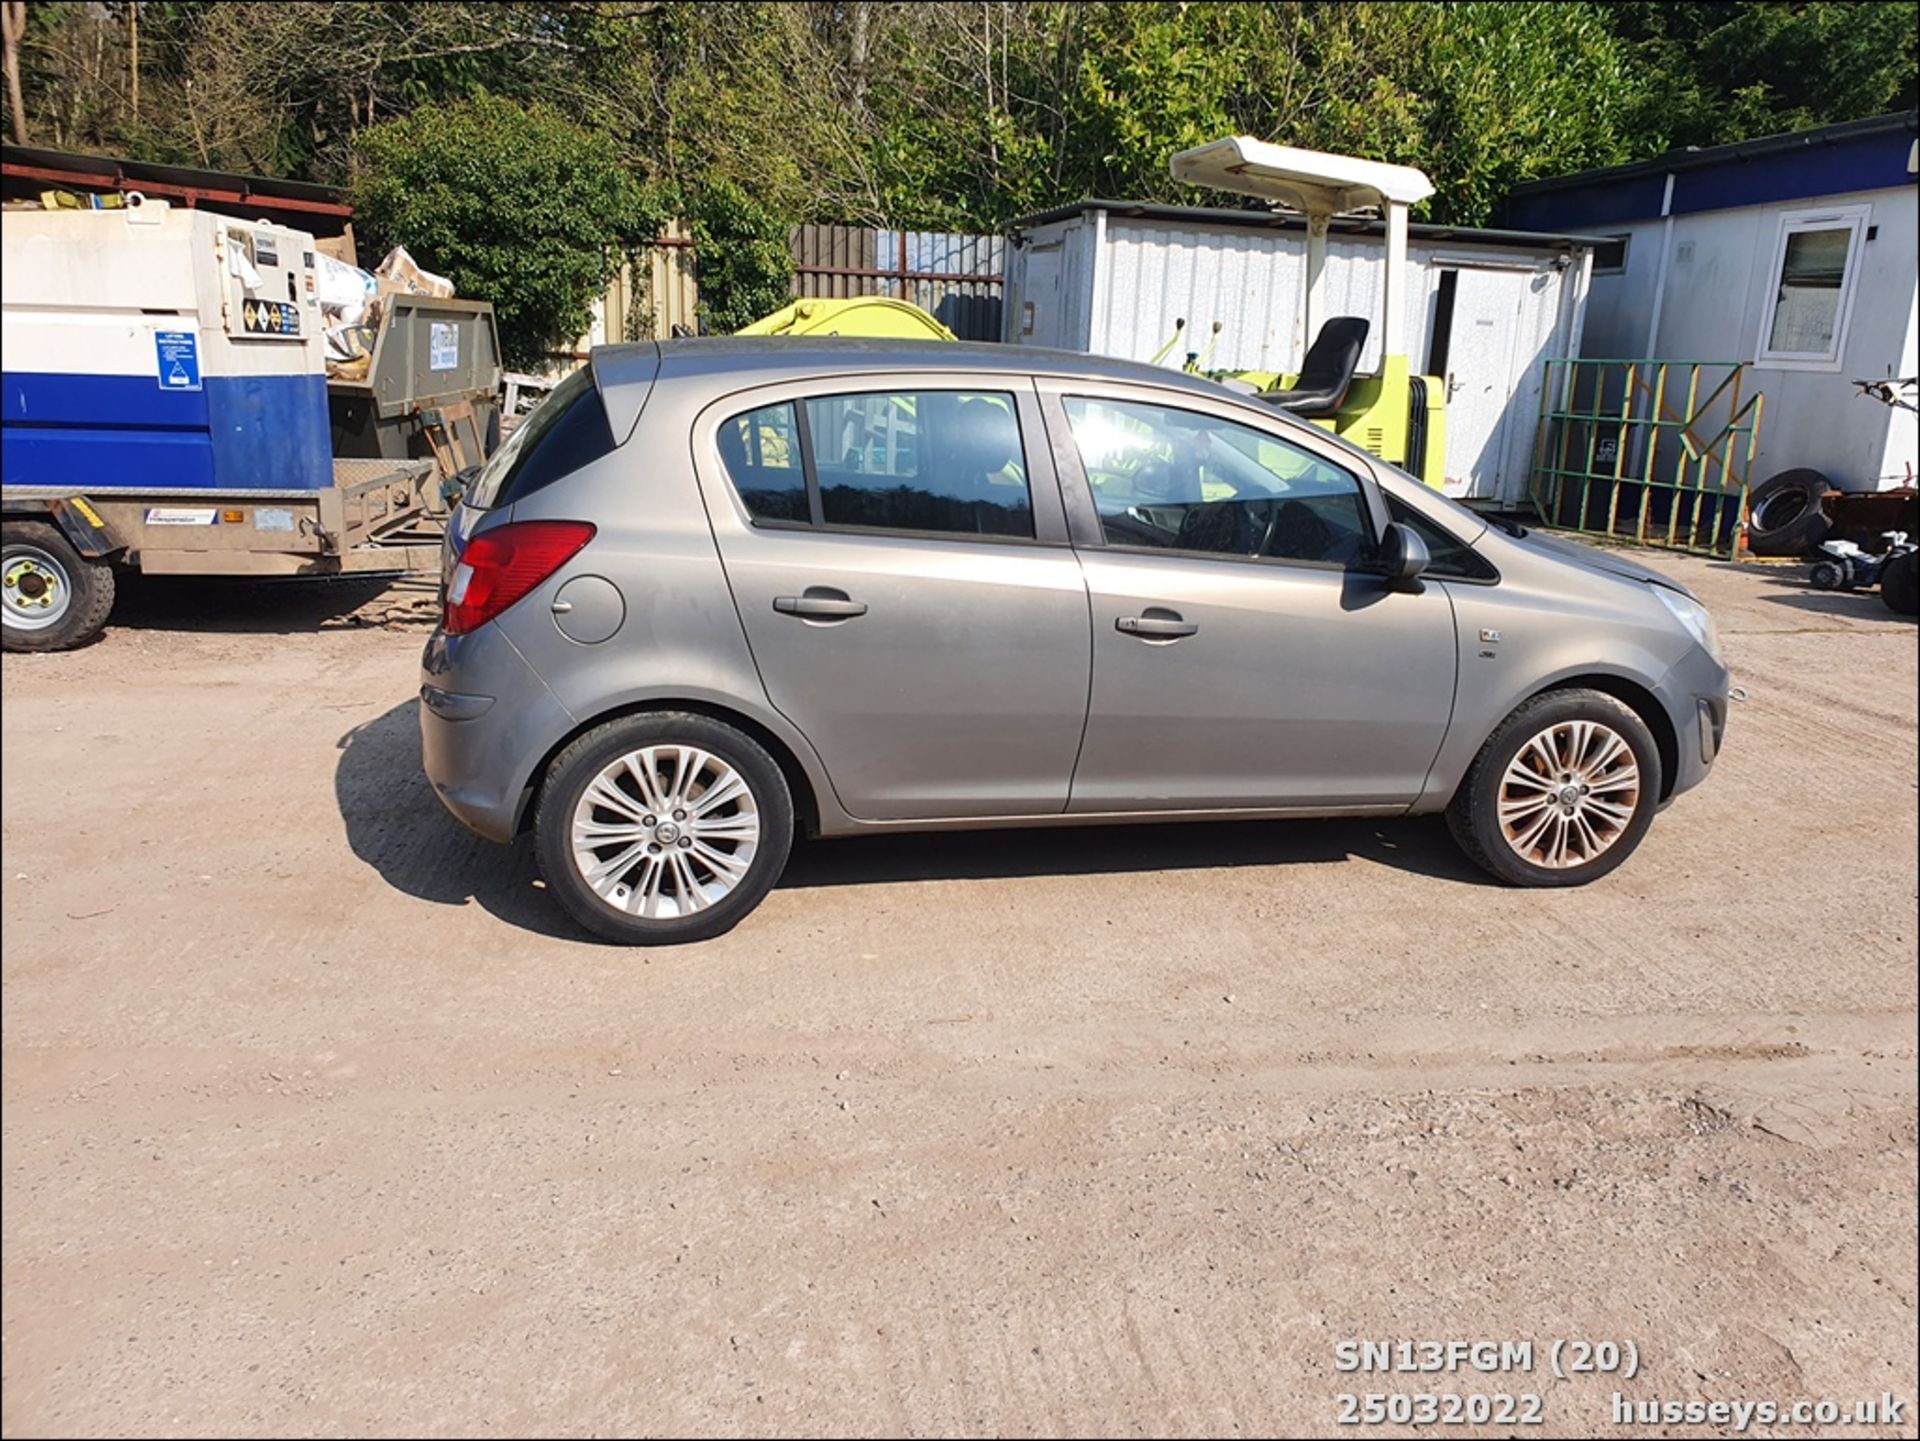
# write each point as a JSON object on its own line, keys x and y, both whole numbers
{"x": 1484, "y": 308}
{"x": 1793, "y": 254}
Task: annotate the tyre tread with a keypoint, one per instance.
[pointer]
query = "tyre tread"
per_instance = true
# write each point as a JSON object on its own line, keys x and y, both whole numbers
{"x": 551, "y": 826}
{"x": 1468, "y": 807}
{"x": 93, "y": 586}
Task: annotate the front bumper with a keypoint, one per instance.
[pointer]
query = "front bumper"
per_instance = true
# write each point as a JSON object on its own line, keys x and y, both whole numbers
{"x": 1695, "y": 696}
{"x": 486, "y": 722}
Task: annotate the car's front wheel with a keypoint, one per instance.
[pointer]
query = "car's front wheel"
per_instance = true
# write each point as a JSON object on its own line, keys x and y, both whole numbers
{"x": 1562, "y": 792}
{"x": 661, "y": 828}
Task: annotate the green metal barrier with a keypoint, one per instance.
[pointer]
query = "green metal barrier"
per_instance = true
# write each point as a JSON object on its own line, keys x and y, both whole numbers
{"x": 1619, "y": 453}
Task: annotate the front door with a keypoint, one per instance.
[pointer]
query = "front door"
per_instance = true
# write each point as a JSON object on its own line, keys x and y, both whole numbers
{"x": 899, "y": 562}
{"x": 1243, "y": 656}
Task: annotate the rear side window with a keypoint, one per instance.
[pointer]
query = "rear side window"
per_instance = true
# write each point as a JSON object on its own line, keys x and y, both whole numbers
{"x": 932, "y": 462}
{"x": 565, "y": 432}
{"x": 1453, "y": 559}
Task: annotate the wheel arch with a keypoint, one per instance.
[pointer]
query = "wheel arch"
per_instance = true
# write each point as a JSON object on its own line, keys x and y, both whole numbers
{"x": 1643, "y": 703}
{"x": 84, "y": 528}
{"x": 806, "y": 800}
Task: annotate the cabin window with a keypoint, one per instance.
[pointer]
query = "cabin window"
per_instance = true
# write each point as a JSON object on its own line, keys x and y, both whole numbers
{"x": 1610, "y": 255}
{"x": 1815, "y": 264}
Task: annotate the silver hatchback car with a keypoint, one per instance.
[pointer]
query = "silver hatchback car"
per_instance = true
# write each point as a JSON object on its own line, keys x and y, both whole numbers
{"x": 714, "y": 590}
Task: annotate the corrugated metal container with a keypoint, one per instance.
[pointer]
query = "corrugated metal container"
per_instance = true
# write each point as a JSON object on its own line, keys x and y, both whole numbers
{"x": 1114, "y": 278}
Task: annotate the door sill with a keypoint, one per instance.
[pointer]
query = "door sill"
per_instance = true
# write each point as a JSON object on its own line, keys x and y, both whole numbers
{"x": 1110, "y": 818}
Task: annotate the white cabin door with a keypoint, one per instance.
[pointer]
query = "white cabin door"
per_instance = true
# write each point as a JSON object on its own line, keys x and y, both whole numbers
{"x": 1484, "y": 367}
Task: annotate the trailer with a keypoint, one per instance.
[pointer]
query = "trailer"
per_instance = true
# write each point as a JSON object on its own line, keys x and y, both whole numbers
{"x": 167, "y": 409}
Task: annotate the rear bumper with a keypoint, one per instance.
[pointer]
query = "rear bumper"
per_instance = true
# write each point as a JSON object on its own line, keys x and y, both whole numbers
{"x": 486, "y": 721}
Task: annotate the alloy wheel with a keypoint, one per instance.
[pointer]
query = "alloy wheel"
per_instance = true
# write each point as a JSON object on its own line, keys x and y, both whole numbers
{"x": 1569, "y": 794}
{"x": 665, "y": 831}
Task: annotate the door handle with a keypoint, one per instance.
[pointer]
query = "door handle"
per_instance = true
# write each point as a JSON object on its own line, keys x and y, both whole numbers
{"x": 820, "y": 603}
{"x": 1156, "y": 625}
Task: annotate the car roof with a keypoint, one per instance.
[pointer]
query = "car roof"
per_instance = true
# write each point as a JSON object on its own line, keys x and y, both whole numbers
{"x": 762, "y": 358}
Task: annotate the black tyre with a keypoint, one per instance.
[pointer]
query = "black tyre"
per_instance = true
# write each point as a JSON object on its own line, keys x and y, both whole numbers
{"x": 1561, "y": 793}
{"x": 1900, "y": 583}
{"x": 51, "y": 596}
{"x": 1784, "y": 513}
{"x": 663, "y": 828}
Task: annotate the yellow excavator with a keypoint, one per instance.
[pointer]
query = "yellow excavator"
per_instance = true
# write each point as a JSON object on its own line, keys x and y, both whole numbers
{"x": 1398, "y": 416}
{"x": 871, "y": 315}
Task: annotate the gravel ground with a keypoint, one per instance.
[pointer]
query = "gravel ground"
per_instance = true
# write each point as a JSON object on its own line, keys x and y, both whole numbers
{"x": 320, "y": 1117}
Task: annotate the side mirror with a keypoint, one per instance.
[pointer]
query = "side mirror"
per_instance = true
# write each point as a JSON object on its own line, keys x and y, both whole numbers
{"x": 1403, "y": 555}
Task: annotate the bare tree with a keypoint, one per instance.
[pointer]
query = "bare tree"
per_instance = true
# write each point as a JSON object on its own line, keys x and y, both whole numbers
{"x": 857, "y": 51}
{"x": 13, "y": 28}
{"x": 133, "y": 59}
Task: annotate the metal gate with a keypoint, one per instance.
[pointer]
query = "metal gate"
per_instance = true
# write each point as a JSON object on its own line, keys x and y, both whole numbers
{"x": 1656, "y": 452}
{"x": 954, "y": 278}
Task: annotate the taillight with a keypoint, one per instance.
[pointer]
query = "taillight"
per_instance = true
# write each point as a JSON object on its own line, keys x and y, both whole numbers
{"x": 501, "y": 565}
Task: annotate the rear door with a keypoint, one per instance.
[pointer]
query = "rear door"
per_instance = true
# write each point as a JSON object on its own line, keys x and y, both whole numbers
{"x": 1244, "y": 654}
{"x": 900, "y": 563}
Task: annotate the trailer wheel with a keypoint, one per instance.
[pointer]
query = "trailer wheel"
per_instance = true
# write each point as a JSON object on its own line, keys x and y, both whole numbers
{"x": 51, "y": 597}
{"x": 1900, "y": 583}
{"x": 1785, "y": 513}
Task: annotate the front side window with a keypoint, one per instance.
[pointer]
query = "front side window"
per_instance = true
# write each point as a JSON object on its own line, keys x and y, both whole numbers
{"x": 1812, "y": 285}
{"x": 1177, "y": 480}
{"x": 939, "y": 462}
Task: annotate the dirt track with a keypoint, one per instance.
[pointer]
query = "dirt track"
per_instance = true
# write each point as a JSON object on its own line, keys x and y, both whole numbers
{"x": 320, "y": 1117}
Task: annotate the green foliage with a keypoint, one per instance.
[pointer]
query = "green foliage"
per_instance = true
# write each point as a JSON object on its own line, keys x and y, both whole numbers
{"x": 517, "y": 205}
{"x": 1518, "y": 91}
{"x": 744, "y": 266}
{"x": 965, "y": 114}
{"x": 1713, "y": 72}
{"x": 1482, "y": 95}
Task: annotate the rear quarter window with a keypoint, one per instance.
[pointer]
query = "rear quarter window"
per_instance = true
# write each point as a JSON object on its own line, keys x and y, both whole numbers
{"x": 566, "y": 431}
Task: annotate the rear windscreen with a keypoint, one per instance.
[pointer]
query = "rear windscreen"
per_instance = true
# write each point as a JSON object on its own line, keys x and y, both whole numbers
{"x": 565, "y": 431}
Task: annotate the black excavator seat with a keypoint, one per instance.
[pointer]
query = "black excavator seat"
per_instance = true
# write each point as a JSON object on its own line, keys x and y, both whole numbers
{"x": 1327, "y": 373}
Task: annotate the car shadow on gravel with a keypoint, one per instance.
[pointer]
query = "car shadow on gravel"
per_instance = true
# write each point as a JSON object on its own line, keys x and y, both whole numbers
{"x": 1421, "y": 846}
{"x": 221, "y": 604}
{"x": 397, "y": 825}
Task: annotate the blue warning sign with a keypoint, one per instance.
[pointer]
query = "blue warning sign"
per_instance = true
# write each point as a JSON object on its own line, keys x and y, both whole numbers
{"x": 177, "y": 359}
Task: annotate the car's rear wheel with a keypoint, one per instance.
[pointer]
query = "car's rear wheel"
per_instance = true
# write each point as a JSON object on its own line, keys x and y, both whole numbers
{"x": 1562, "y": 792}
{"x": 662, "y": 828}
